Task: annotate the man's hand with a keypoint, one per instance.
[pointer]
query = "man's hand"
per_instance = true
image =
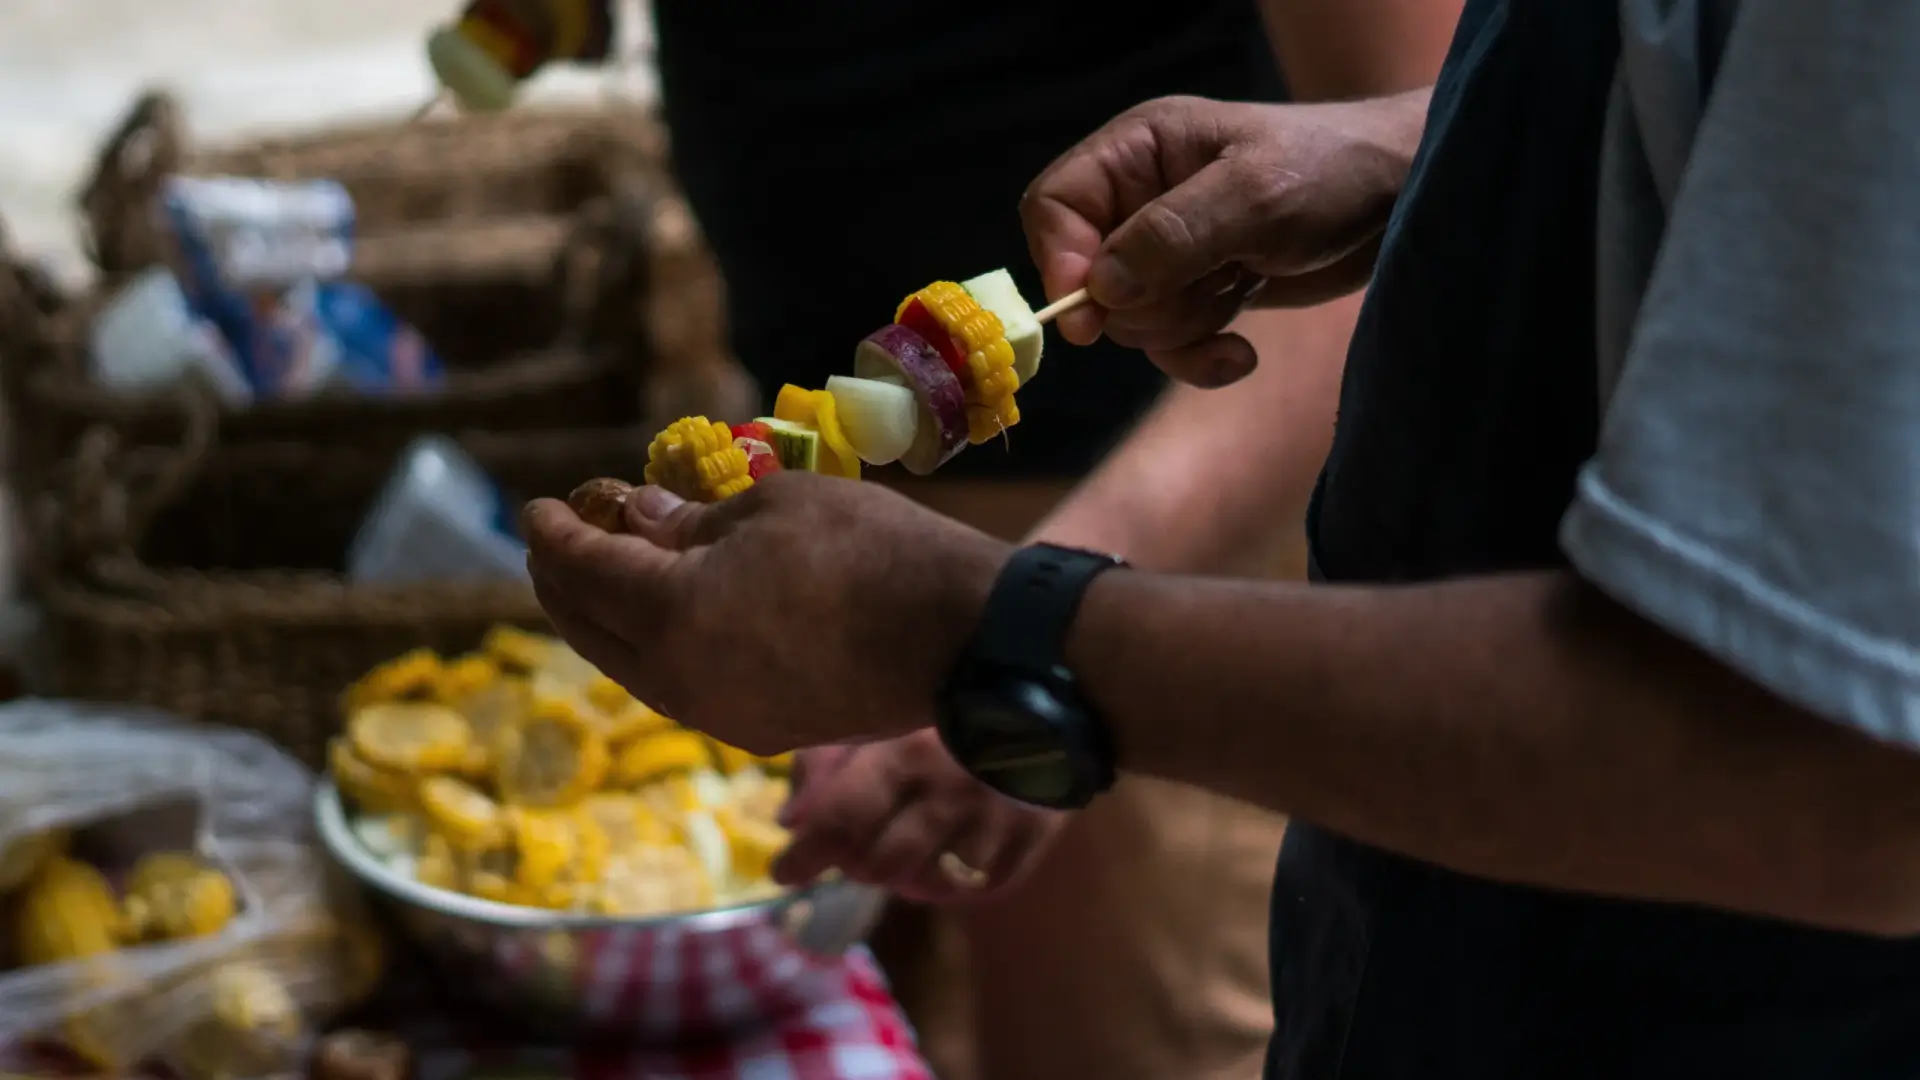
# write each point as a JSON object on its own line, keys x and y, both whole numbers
{"x": 806, "y": 610}
{"x": 1175, "y": 214}
{"x": 904, "y": 815}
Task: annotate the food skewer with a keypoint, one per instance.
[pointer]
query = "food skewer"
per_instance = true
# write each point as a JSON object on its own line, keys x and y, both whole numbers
{"x": 1074, "y": 299}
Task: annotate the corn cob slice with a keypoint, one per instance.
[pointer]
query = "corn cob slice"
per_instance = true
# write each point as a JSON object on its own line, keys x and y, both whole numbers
{"x": 695, "y": 459}
{"x": 989, "y": 379}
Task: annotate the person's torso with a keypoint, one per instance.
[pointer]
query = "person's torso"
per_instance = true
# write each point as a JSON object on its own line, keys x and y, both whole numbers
{"x": 842, "y": 154}
{"x": 1471, "y": 398}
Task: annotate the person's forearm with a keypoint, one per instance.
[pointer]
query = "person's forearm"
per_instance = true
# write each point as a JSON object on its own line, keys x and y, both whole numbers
{"x": 1358, "y": 48}
{"x": 1520, "y": 727}
{"x": 1213, "y": 481}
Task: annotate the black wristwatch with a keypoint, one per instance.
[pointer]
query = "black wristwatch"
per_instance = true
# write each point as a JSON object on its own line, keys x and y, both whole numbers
{"x": 1011, "y": 713}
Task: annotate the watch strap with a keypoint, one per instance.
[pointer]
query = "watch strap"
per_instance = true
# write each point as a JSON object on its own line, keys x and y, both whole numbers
{"x": 1032, "y": 606}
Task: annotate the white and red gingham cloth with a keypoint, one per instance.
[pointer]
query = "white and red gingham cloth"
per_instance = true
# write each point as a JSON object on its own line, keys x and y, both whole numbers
{"x": 828, "y": 1020}
{"x": 825, "y": 1020}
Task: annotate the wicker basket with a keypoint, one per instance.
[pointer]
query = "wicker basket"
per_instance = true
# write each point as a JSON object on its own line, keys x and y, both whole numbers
{"x": 607, "y": 314}
{"x": 267, "y": 650}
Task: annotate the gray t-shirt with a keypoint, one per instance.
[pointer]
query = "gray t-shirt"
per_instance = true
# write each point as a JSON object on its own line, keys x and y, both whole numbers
{"x": 1757, "y": 486}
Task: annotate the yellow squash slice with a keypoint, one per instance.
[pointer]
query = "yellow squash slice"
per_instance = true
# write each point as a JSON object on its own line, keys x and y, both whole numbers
{"x": 411, "y": 676}
{"x": 67, "y": 912}
{"x": 516, "y": 650}
{"x": 656, "y": 757}
{"x": 177, "y": 894}
{"x": 24, "y": 855}
{"x": 372, "y": 789}
{"x": 550, "y": 757}
{"x": 414, "y": 737}
{"x": 465, "y": 815}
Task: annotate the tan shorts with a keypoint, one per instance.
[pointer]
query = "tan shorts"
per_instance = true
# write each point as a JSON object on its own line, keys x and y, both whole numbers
{"x": 1137, "y": 950}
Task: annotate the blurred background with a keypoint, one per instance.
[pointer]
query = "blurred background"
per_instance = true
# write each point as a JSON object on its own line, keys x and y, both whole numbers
{"x": 68, "y": 72}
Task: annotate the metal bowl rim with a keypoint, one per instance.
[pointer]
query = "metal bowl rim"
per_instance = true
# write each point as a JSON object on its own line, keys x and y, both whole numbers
{"x": 330, "y": 819}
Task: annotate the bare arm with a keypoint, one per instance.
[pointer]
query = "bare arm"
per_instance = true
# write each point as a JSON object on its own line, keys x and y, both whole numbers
{"x": 1335, "y": 49}
{"x": 1521, "y": 728}
{"x": 1717, "y": 703}
{"x": 1259, "y": 444}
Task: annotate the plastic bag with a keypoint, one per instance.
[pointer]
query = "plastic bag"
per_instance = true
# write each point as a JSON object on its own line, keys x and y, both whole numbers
{"x": 241, "y": 1002}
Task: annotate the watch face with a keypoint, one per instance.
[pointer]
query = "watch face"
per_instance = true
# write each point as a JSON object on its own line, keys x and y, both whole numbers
{"x": 1014, "y": 751}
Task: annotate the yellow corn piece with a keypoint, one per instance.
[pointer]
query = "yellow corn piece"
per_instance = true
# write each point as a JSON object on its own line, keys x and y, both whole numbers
{"x": 462, "y": 678}
{"x": 465, "y": 815}
{"x": 754, "y": 842}
{"x": 551, "y": 756}
{"x": 369, "y": 787}
{"x": 657, "y": 756}
{"x": 516, "y": 650}
{"x": 990, "y": 378}
{"x": 23, "y": 855}
{"x": 695, "y": 459}
{"x": 985, "y": 423}
{"x": 177, "y": 894}
{"x": 730, "y": 759}
{"x": 619, "y": 716}
{"x": 411, "y": 675}
{"x": 67, "y": 912}
{"x": 778, "y": 764}
{"x": 544, "y": 843}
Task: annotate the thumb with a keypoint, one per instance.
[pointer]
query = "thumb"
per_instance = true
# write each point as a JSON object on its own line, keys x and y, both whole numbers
{"x": 1175, "y": 240}
{"x": 664, "y": 519}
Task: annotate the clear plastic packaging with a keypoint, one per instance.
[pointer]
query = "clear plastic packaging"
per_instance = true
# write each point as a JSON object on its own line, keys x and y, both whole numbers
{"x": 439, "y": 519}
{"x": 242, "y": 1002}
{"x": 149, "y": 338}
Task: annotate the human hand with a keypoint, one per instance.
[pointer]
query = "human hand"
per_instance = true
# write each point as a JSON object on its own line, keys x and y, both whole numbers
{"x": 805, "y": 610}
{"x": 1177, "y": 212}
{"x": 903, "y": 815}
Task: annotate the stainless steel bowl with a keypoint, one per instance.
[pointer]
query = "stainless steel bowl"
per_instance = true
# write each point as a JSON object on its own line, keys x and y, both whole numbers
{"x": 563, "y": 976}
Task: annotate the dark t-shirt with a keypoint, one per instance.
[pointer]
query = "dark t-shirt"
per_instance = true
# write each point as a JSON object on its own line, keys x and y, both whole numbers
{"x": 842, "y": 153}
{"x": 1470, "y": 403}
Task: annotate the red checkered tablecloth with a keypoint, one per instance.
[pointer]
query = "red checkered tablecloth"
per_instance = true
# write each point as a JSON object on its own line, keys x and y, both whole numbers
{"x": 844, "y": 1025}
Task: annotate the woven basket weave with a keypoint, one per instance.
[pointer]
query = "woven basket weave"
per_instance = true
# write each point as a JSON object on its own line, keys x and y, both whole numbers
{"x": 188, "y": 555}
{"x": 605, "y": 314}
{"x": 264, "y": 649}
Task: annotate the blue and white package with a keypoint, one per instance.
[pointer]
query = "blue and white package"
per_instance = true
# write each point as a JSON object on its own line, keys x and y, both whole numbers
{"x": 241, "y": 249}
{"x": 377, "y": 352}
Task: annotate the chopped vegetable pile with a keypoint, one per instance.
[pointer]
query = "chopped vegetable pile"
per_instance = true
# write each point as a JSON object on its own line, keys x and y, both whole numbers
{"x": 520, "y": 774}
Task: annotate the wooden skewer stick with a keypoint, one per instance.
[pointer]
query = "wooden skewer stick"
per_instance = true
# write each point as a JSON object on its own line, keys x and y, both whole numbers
{"x": 426, "y": 110}
{"x": 1061, "y": 306}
